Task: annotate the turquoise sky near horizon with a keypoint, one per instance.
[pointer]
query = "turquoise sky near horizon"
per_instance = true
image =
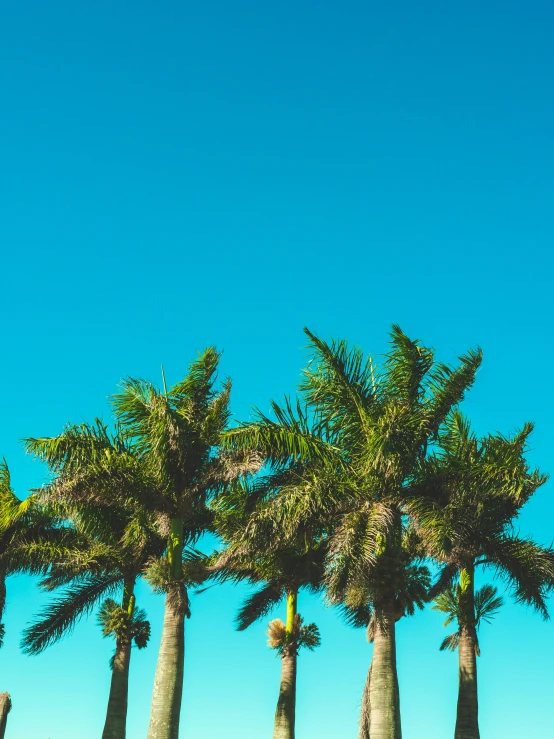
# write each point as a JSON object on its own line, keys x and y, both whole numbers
{"x": 174, "y": 175}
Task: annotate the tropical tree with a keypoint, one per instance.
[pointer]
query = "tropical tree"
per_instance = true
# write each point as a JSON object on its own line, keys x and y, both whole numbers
{"x": 244, "y": 522}
{"x": 114, "y": 546}
{"x": 465, "y": 505}
{"x": 372, "y": 426}
{"x": 177, "y": 433}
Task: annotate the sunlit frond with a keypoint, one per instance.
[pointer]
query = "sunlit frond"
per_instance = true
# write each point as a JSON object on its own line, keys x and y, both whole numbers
{"x": 61, "y": 615}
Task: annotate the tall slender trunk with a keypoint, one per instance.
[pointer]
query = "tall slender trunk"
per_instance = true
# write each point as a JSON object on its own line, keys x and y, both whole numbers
{"x": 168, "y": 683}
{"x": 2, "y": 604}
{"x": 384, "y": 695}
{"x": 467, "y": 719}
{"x": 365, "y": 713}
{"x": 286, "y": 705}
{"x": 5, "y": 708}
{"x": 116, "y": 715}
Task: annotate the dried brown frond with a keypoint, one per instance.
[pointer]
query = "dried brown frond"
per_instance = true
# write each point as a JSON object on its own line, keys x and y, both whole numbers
{"x": 277, "y": 633}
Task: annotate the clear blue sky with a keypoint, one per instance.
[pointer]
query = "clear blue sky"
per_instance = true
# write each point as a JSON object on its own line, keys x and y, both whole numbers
{"x": 179, "y": 174}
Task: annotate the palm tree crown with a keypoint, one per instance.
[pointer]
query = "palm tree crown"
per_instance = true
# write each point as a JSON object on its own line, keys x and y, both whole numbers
{"x": 365, "y": 429}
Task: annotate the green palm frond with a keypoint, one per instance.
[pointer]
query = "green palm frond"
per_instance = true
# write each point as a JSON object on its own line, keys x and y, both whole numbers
{"x": 357, "y": 616}
{"x": 197, "y": 387}
{"x": 487, "y": 604}
{"x": 527, "y": 567}
{"x": 259, "y": 604}
{"x": 450, "y": 642}
{"x": 406, "y": 366}
{"x": 309, "y": 637}
{"x": 448, "y": 602}
{"x": 60, "y": 616}
{"x": 77, "y": 445}
{"x": 140, "y": 628}
{"x": 217, "y": 414}
{"x": 59, "y": 555}
{"x": 454, "y": 603}
{"x": 443, "y": 581}
{"x": 341, "y": 386}
{"x": 5, "y": 477}
{"x": 356, "y": 547}
{"x": 287, "y": 439}
{"x": 133, "y": 407}
{"x": 449, "y": 388}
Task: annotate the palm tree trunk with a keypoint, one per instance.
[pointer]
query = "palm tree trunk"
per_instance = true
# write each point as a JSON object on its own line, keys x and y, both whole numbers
{"x": 467, "y": 724}
{"x": 286, "y": 705}
{"x": 384, "y": 695}
{"x": 467, "y": 719}
{"x": 116, "y": 715}
{"x": 2, "y": 604}
{"x": 168, "y": 683}
{"x": 365, "y": 713}
{"x": 5, "y": 708}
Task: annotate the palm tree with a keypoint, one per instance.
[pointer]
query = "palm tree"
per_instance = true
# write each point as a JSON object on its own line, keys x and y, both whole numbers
{"x": 114, "y": 546}
{"x": 177, "y": 433}
{"x": 470, "y": 493}
{"x": 279, "y": 573}
{"x": 372, "y": 427}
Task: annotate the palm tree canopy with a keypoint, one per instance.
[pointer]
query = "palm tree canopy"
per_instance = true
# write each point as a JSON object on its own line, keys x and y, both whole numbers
{"x": 363, "y": 429}
{"x": 243, "y": 520}
{"x": 177, "y": 431}
{"x": 466, "y": 501}
{"x": 94, "y": 473}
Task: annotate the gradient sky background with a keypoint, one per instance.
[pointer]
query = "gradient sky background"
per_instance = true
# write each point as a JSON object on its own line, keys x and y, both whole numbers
{"x": 179, "y": 174}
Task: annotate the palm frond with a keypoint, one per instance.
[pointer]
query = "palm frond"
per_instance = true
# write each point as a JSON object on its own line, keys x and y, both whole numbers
{"x": 340, "y": 386}
{"x": 450, "y": 386}
{"x": 450, "y": 642}
{"x": 60, "y": 616}
{"x": 527, "y": 567}
{"x": 487, "y": 604}
{"x": 259, "y": 604}
{"x": 285, "y": 440}
{"x": 196, "y": 388}
{"x": 357, "y": 616}
{"x": 308, "y": 636}
{"x": 406, "y": 366}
